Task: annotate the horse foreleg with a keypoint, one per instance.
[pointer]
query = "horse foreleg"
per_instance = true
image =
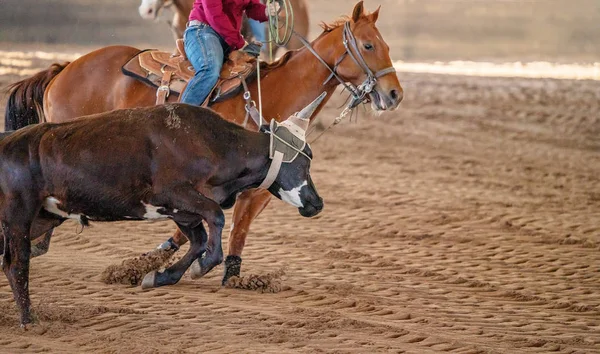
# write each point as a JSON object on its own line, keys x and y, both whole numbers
{"x": 247, "y": 207}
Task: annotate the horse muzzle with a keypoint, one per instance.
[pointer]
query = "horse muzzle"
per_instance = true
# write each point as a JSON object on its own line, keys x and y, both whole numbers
{"x": 149, "y": 11}
{"x": 386, "y": 100}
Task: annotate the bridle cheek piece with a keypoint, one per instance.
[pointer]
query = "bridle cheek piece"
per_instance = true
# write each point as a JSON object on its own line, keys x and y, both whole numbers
{"x": 360, "y": 92}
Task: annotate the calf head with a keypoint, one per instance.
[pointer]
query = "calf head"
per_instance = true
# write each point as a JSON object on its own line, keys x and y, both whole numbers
{"x": 289, "y": 175}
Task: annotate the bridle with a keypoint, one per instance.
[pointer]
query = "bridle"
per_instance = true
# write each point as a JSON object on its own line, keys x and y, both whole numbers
{"x": 359, "y": 93}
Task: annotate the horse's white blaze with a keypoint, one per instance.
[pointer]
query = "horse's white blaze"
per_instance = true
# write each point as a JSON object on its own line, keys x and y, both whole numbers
{"x": 148, "y": 9}
{"x": 51, "y": 205}
{"x": 152, "y": 212}
{"x": 293, "y": 196}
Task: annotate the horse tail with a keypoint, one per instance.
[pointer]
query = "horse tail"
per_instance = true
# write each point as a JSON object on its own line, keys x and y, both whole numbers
{"x": 25, "y": 103}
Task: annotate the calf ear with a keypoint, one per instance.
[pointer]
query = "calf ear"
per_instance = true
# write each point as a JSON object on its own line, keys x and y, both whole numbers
{"x": 265, "y": 128}
{"x": 358, "y": 12}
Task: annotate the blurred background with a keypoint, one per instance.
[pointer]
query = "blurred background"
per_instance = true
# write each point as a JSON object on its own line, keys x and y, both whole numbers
{"x": 466, "y": 221}
{"x": 417, "y": 30}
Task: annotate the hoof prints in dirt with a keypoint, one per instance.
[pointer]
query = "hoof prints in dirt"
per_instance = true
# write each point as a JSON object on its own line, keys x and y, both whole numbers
{"x": 132, "y": 271}
{"x": 268, "y": 283}
{"x": 46, "y": 312}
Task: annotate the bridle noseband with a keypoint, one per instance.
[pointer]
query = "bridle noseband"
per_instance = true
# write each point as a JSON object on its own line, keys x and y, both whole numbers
{"x": 359, "y": 93}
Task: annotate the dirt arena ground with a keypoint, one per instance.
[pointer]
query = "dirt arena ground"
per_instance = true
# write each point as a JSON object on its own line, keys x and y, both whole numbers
{"x": 468, "y": 221}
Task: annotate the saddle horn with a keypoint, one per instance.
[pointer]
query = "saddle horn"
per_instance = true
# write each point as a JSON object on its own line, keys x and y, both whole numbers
{"x": 302, "y": 118}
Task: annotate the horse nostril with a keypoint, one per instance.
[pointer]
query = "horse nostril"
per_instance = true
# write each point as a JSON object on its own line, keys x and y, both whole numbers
{"x": 149, "y": 11}
{"x": 396, "y": 95}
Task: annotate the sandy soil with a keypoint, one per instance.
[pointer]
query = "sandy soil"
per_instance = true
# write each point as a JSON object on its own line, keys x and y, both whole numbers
{"x": 465, "y": 222}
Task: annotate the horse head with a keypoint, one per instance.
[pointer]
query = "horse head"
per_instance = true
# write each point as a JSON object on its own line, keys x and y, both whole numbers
{"x": 362, "y": 58}
{"x": 291, "y": 157}
{"x": 149, "y": 9}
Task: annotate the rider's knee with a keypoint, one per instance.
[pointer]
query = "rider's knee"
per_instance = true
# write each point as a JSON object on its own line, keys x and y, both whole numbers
{"x": 213, "y": 74}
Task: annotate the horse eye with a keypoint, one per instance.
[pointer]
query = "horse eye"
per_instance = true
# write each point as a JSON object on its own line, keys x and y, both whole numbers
{"x": 368, "y": 46}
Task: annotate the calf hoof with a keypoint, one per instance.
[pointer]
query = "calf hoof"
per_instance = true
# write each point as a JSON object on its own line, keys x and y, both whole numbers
{"x": 233, "y": 265}
{"x": 37, "y": 250}
{"x": 203, "y": 265}
{"x": 168, "y": 245}
{"x": 149, "y": 280}
{"x": 26, "y": 323}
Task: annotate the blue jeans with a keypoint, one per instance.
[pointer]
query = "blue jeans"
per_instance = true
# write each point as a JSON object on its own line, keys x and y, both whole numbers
{"x": 258, "y": 30}
{"x": 206, "y": 51}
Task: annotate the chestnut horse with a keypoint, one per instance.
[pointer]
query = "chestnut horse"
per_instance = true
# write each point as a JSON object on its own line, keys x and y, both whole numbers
{"x": 350, "y": 52}
{"x": 150, "y": 9}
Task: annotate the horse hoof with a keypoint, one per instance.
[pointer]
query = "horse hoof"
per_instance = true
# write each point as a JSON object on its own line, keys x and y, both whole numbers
{"x": 149, "y": 280}
{"x": 233, "y": 265}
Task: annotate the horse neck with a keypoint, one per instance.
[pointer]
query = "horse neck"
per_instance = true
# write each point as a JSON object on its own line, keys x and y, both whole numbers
{"x": 183, "y": 7}
{"x": 293, "y": 85}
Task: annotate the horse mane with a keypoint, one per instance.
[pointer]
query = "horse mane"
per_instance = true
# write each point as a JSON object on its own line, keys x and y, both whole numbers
{"x": 277, "y": 63}
{"x": 328, "y": 27}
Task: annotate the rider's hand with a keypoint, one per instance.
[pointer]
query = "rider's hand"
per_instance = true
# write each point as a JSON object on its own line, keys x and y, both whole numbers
{"x": 252, "y": 48}
{"x": 272, "y": 8}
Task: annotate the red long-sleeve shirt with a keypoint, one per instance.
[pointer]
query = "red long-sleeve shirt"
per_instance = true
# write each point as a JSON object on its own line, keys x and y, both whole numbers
{"x": 225, "y": 17}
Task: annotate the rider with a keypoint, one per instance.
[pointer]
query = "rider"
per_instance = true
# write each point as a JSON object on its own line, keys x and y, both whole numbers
{"x": 258, "y": 29}
{"x": 213, "y": 31}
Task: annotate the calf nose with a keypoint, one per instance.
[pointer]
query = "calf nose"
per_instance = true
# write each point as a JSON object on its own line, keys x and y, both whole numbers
{"x": 319, "y": 204}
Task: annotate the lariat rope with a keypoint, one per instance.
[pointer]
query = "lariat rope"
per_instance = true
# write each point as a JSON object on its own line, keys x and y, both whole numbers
{"x": 274, "y": 37}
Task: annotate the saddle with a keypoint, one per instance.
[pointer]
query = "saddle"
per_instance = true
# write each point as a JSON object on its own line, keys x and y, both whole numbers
{"x": 170, "y": 73}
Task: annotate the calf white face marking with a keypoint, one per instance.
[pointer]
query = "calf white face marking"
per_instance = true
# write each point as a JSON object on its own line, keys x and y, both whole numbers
{"x": 51, "y": 205}
{"x": 152, "y": 212}
{"x": 292, "y": 197}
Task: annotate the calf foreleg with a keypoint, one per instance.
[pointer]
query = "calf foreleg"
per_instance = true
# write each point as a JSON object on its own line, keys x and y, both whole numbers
{"x": 41, "y": 233}
{"x": 191, "y": 208}
{"x": 16, "y": 224}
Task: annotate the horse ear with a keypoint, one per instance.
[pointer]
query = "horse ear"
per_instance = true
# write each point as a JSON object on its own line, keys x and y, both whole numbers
{"x": 375, "y": 15}
{"x": 358, "y": 12}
